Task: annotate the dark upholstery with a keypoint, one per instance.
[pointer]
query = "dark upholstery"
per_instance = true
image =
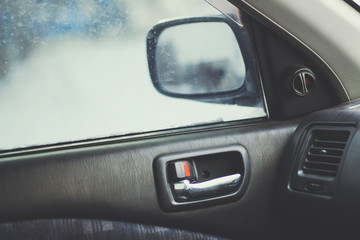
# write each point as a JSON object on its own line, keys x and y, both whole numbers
{"x": 82, "y": 229}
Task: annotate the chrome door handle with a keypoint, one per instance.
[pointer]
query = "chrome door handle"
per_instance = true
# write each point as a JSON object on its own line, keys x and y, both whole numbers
{"x": 187, "y": 191}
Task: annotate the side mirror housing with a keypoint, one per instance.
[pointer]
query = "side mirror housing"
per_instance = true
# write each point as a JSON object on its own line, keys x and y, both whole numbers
{"x": 199, "y": 58}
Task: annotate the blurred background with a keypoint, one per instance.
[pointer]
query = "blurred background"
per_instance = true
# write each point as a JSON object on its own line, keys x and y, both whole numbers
{"x": 73, "y": 70}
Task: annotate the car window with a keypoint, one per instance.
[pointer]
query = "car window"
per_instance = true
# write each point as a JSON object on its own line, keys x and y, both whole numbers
{"x": 74, "y": 70}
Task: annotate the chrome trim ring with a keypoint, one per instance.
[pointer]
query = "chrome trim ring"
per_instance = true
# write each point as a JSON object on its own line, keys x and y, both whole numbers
{"x": 303, "y": 82}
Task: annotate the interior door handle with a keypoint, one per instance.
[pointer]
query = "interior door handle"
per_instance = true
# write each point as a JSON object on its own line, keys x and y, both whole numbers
{"x": 181, "y": 182}
{"x": 186, "y": 191}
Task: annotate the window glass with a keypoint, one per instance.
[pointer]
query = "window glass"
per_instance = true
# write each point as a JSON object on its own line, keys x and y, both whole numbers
{"x": 74, "y": 70}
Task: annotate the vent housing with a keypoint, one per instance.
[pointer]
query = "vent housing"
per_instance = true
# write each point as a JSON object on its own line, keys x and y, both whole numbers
{"x": 321, "y": 158}
{"x": 325, "y": 152}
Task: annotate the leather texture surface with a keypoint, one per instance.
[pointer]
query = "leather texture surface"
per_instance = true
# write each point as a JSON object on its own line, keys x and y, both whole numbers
{"x": 84, "y": 229}
{"x": 115, "y": 181}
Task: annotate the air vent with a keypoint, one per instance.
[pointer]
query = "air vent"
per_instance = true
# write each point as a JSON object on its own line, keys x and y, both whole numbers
{"x": 325, "y": 152}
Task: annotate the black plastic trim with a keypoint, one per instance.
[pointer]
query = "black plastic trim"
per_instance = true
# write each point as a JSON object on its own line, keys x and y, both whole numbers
{"x": 336, "y": 85}
{"x": 299, "y": 180}
{"x": 353, "y": 4}
{"x": 165, "y": 195}
{"x": 247, "y": 95}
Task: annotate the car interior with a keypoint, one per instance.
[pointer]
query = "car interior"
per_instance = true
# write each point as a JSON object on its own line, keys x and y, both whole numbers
{"x": 292, "y": 174}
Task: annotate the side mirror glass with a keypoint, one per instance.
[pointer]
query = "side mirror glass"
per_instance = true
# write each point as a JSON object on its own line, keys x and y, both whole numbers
{"x": 196, "y": 57}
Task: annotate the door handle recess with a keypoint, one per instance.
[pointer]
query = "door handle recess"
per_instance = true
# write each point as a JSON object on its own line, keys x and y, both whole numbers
{"x": 187, "y": 191}
{"x": 201, "y": 178}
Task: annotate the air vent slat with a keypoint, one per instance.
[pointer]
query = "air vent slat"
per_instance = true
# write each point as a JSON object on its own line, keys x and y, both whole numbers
{"x": 341, "y": 136}
{"x": 321, "y": 165}
{"x": 320, "y": 172}
{"x": 322, "y": 158}
{"x": 325, "y": 152}
{"x": 328, "y": 144}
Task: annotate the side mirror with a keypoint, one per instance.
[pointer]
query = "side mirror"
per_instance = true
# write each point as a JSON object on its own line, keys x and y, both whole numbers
{"x": 197, "y": 58}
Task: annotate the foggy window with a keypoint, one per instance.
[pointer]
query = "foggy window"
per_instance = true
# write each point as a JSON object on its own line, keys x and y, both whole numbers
{"x": 74, "y": 70}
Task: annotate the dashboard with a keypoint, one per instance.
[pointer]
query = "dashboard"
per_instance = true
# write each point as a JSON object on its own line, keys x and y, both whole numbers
{"x": 319, "y": 176}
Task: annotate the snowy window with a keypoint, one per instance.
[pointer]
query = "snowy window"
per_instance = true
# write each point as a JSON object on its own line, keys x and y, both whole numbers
{"x": 76, "y": 70}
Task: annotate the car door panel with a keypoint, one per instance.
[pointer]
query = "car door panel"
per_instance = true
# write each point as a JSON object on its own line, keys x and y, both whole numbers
{"x": 116, "y": 181}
